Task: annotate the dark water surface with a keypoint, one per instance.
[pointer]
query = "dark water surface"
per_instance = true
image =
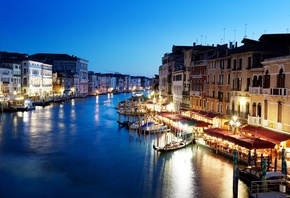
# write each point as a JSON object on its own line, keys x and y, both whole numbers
{"x": 77, "y": 150}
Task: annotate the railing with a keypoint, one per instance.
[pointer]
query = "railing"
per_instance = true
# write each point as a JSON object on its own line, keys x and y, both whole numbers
{"x": 254, "y": 120}
{"x": 279, "y": 91}
{"x": 196, "y": 76}
{"x": 255, "y": 90}
{"x": 266, "y": 91}
{"x": 272, "y": 188}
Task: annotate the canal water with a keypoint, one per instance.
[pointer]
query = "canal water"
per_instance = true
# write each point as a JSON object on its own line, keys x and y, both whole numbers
{"x": 76, "y": 149}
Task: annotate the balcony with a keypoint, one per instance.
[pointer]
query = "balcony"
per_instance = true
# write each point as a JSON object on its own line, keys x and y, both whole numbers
{"x": 255, "y": 90}
{"x": 196, "y": 76}
{"x": 254, "y": 120}
{"x": 279, "y": 91}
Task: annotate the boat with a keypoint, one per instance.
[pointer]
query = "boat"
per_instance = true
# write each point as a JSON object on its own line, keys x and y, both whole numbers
{"x": 173, "y": 145}
{"x": 152, "y": 127}
{"x": 250, "y": 174}
{"x": 41, "y": 103}
{"x": 20, "y": 105}
{"x": 124, "y": 123}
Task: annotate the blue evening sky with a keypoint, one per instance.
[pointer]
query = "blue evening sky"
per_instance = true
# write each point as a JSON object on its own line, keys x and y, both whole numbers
{"x": 131, "y": 36}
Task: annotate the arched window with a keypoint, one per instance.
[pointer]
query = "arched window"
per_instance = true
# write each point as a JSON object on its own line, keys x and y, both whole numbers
{"x": 254, "y": 107}
{"x": 279, "y": 118}
{"x": 260, "y": 80}
{"x": 259, "y": 110}
{"x": 281, "y": 79}
{"x": 255, "y": 81}
{"x": 266, "y": 110}
{"x": 247, "y": 108}
{"x": 24, "y": 81}
{"x": 266, "y": 83}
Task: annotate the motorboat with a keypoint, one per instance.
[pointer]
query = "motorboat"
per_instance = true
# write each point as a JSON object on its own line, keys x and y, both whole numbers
{"x": 250, "y": 174}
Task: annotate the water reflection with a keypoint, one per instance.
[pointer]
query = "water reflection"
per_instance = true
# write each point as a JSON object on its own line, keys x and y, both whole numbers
{"x": 79, "y": 151}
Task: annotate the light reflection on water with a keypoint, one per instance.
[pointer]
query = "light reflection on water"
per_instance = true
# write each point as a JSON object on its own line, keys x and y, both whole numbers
{"x": 79, "y": 151}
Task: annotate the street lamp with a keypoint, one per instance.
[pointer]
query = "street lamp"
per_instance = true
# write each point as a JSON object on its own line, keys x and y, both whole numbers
{"x": 235, "y": 124}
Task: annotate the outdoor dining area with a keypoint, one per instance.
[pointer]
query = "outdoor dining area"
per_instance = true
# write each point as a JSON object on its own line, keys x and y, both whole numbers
{"x": 180, "y": 122}
{"x": 250, "y": 149}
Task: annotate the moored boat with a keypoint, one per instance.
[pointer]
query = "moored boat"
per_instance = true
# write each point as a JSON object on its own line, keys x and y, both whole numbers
{"x": 173, "y": 145}
{"x": 41, "y": 103}
{"x": 250, "y": 174}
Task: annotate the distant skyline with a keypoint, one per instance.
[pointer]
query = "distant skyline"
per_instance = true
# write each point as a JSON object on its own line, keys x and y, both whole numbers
{"x": 131, "y": 36}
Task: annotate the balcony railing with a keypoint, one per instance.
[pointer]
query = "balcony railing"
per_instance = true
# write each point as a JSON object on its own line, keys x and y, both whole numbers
{"x": 279, "y": 91}
{"x": 254, "y": 120}
{"x": 255, "y": 90}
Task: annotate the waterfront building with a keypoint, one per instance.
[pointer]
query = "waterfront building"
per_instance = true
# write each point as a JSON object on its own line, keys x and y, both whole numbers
{"x": 164, "y": 79}
{"x": 274, "y": 95}
{"x": 10, "y": 64}
{"x": 93, "y": 83}
{"x": 10, "y": 85}
{"x": 69, "y": 67}
{"x": 218, "y": 85}
{"x": 135, "y": 83}
{"x": 6, "y": 76}
{"x": 16, "y": 85}
{"x": 243, "y": 89}
{"x": 36, "y": 79}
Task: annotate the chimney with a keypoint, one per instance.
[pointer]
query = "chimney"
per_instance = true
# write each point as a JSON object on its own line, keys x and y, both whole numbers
{"x": 194, "y": 43}
{"x": 236, "y": 44}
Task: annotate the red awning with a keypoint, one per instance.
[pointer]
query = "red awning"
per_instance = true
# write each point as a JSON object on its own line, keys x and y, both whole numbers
{"x": 267, "y": 134}
{"x": 210, "y": 115}
{"x": 241, "y": 140}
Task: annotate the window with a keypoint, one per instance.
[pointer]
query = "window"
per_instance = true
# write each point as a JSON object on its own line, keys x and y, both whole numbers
{"x": 240, "y": 64}
{"x": 279, "y": 118}
{"x": 235, "y": 64}
{"x": 265, "y": 110}
{"x": 229, "y": 79}
{"x": 249, "y": 62}
{"x": 281, "y": 79}
{"x": 266, "y": 80}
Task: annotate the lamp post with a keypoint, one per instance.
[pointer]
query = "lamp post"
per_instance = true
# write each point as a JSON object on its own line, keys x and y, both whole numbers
{"x": 235, "y": 124}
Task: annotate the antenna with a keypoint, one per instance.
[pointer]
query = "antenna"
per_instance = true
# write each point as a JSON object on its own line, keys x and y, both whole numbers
{"x": 234, "y": 35}
{"x": 245, "y": 30}
{"x": 201, "y": 39}
{"x": 224, "y": 34}
{"x": 205, "y": 40}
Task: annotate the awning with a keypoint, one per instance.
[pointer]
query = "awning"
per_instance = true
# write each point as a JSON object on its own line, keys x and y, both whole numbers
{"x": 184, "y": 120}
{"x": 210, "y": 115}
{"x": 267, "y": 134}
{"x": 241, "y": 140}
